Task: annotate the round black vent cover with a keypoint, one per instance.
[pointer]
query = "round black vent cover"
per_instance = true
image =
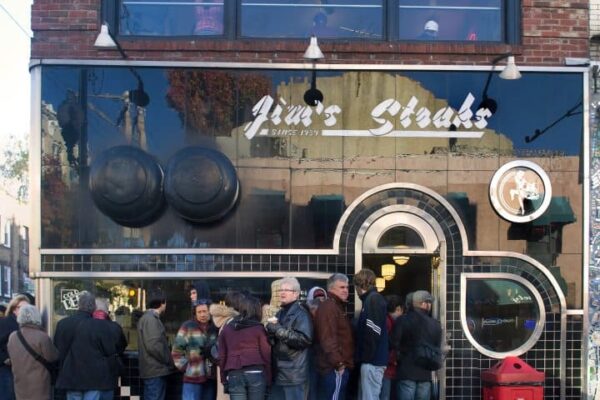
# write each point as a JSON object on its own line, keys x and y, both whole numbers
{"x": 201, "y": 184}
{"x": 126, "y": 184}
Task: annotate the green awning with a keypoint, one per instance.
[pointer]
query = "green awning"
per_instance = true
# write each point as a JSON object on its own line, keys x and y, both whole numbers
{"x": 559, "y": 212}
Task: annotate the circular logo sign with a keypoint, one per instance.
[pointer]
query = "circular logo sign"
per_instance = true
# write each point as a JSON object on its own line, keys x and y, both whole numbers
{"x": 520, "y": 191}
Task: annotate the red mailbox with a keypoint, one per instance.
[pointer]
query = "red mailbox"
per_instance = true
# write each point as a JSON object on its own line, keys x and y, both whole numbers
{"x": 512, "y": 379}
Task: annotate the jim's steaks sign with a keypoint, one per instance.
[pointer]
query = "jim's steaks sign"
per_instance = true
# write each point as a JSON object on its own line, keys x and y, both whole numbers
{"x": 285, "y": 119}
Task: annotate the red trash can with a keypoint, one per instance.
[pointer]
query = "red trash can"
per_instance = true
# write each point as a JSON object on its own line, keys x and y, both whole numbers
{"x": 512, "y": 379}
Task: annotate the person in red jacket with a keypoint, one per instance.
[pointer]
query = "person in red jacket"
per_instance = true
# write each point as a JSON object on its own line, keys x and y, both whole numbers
{"x": 245, "y": 354}
{"x": 394, "y": 310}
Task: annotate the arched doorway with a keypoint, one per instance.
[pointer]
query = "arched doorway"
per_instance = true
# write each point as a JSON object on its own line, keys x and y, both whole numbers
{"x": 405, "y": 247}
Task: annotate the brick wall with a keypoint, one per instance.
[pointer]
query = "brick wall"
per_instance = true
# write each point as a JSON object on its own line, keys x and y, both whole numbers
{"x": 552, "y": 30}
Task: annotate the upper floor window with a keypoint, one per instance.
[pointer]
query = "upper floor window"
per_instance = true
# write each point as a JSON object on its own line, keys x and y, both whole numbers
{"x": 6, "y": 230}
{"x": 450, "y": 20}
{"x": 377, "y": 20}
{"x": 24, "y": 240}
{"x": 172, "y": 18}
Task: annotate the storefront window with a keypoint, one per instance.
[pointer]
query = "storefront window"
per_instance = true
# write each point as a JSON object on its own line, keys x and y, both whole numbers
{"x": 127, "y": 298}
{"x": 501, "y": 315}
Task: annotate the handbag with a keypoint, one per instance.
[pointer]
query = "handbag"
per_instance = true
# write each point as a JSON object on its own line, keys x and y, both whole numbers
{"x": 427, "y": 356}
{"x": 52, "y": 367}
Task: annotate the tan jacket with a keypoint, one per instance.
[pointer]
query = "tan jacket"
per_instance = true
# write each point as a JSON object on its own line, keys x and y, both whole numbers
{"x": 32, "y": 380}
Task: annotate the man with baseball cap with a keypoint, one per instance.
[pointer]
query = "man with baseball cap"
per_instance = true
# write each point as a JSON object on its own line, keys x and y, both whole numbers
{"x": 410, "y": 331}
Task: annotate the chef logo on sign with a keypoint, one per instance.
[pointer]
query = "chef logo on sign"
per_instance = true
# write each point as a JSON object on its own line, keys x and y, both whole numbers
{"x": 520, "y": 191}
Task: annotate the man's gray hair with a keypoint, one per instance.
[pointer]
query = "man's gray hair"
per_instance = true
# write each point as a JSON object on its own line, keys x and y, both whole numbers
{"x": 102, "y": 304}
{"x": 334, "y": 278}
{"x": 87, "y": 302}
{"x": 29, "y": 315}
{"x": 291, "y": 282}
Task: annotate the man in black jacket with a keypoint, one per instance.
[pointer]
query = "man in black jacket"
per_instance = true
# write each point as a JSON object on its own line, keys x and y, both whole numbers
{"x": 371, "y": 336}
{"x": 86, "y": 347}
{"x": 411, "y": 329}
{"x": 291, "y": 331}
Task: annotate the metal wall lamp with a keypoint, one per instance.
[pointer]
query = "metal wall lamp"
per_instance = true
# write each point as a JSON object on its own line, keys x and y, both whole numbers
{"x": 539, "y": 132}
{"x": 313, "y": 96}
{"x": 510, "y": 72}
{"x": 105, "y": 40}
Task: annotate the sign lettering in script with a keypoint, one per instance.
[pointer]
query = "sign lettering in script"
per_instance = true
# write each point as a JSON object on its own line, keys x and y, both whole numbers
{"x": 416, "y": 121}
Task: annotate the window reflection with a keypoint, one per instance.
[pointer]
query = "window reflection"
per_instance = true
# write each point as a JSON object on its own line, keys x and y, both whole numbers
{"x": 501, "y": 314}
{"x": 127, "y": 298}
{"x": 172, "y": 18}
{"x": 332, "y": 19}
{"x": 455, "y": 20}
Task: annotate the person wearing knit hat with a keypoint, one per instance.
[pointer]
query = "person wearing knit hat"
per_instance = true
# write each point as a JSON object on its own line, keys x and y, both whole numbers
{"x": 411, "y": 331}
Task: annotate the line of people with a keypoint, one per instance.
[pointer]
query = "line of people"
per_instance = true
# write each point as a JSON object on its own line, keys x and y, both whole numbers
{"x": 239, "y": 350}
{"x": 307, "y": 350}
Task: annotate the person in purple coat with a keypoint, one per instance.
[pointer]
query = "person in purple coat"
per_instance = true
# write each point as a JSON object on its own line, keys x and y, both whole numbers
{"x": 245, "y": 354}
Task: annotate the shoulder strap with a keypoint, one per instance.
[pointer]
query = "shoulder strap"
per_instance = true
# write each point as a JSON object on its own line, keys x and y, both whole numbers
{"x": 35, "y": 355}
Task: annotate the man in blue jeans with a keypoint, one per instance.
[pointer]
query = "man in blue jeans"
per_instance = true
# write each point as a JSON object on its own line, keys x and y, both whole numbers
{"x": 414, "y": 381}
{"x": 335, "y": 346}
{"x": 154, "y": 354}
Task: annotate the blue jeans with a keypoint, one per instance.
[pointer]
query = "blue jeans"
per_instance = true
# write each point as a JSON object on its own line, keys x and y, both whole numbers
{"x": 371, "y": 377}
{"x": 90, "y": 395}
{"x": 288, "y": 392}
{"x": 386, "y": 389}
{"x": 413, "y": 390}
{"x": 155, "y": 388}
{"x": 332, "y": 386}
{"x": 199, "y": 391}
{"x": 6, "y": 383}
{"x": 247, "y": 384}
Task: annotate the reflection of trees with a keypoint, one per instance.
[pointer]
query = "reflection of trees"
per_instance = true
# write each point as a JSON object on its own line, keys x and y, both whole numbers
{"x": 212, "y": 103}
{"x": 57, "y": 204}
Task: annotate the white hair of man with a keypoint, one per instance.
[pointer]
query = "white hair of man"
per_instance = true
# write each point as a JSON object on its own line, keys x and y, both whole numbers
{"x": 291, "y": 282}
{"x": 336, "y": 277}
{"x": 29, "y": 315}
{"x": 102, "y": 304}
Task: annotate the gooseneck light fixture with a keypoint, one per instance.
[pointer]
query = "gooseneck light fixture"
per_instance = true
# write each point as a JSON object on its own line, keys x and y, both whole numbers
{"x": 313, "y": 96}
{"x": 510, "y": 72}
{"x": 105, "y": 40}
{"x": 539, "y": 132}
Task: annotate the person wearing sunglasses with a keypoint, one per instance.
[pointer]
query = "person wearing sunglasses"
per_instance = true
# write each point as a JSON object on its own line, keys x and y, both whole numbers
{"x": 191, "y": 354}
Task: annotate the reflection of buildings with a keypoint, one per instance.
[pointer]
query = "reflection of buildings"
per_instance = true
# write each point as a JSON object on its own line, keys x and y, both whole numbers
{"x": 14, "y": 247}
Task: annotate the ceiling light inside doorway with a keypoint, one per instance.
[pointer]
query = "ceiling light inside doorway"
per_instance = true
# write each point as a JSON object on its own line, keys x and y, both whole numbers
{"x": 401, "y": 260}
{"x": 388, "y": 271}
{"x": 380, "y": 284}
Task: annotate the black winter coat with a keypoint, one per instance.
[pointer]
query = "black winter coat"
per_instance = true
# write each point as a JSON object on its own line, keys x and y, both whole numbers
{"x": 8, "y": 325}
{"x": 86, "y": 346}
{"x": 292, "y": 336}
{"x": 409, "y": 329}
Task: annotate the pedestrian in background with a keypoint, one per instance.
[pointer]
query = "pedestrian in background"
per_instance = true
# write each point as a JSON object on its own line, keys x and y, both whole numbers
{"x": 395, "y": 309}
{"x": 8, "y": 325}
{"x": 31, "y": 377}
{"x": 153, "y": 348}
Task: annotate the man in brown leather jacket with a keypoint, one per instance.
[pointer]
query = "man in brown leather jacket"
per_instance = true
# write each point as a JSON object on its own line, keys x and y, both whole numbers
{"x": 335, "y": 345}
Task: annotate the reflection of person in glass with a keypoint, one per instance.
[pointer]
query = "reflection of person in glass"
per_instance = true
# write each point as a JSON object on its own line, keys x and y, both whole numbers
{"x": 209, "y": 18}
{"x": 320, "y": 28}
{"x": 430, "y": 31}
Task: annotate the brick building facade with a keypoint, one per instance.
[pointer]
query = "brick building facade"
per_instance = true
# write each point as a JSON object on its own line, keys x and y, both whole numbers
{"x": 395, "y": 159}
